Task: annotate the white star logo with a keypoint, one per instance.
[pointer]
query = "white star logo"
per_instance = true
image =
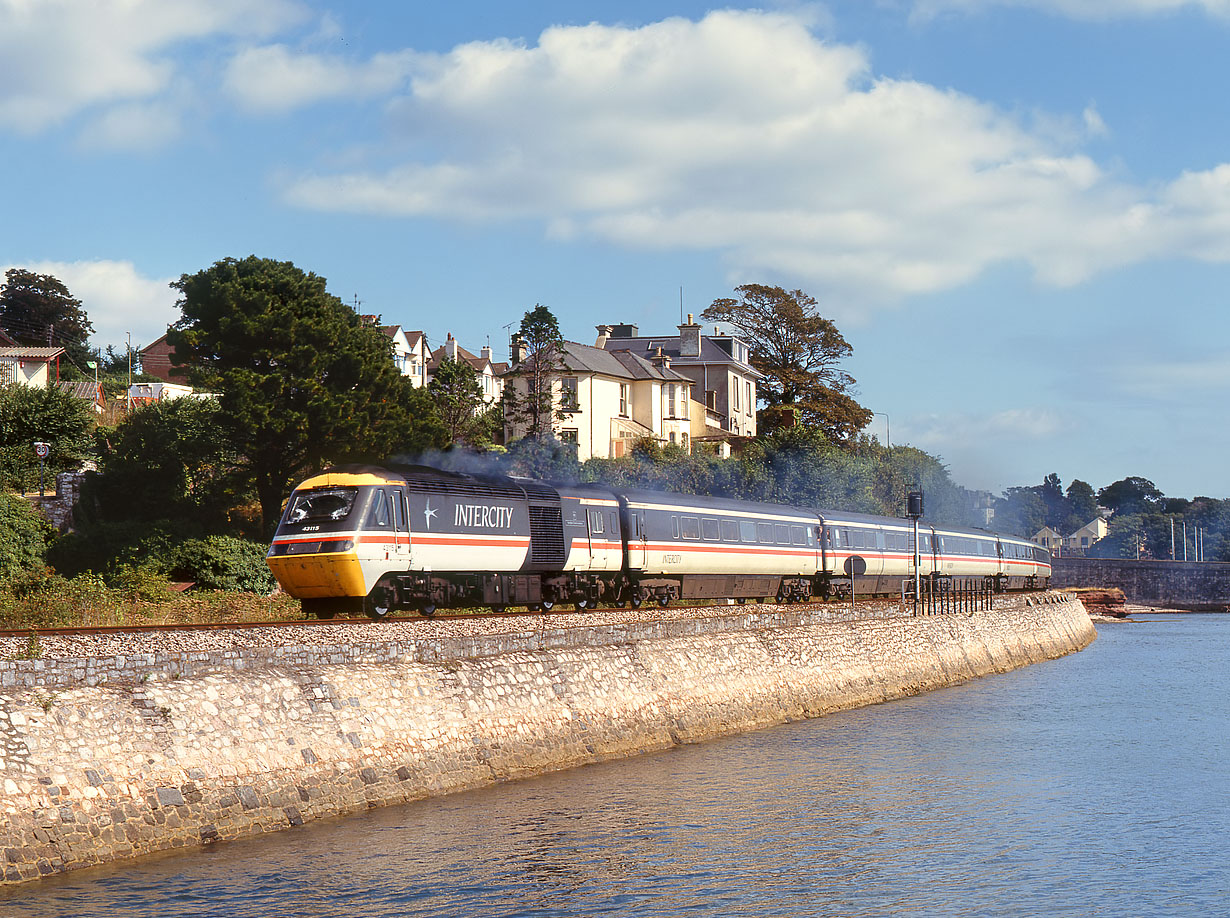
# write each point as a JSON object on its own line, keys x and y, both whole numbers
{"x": 428, "y": 513}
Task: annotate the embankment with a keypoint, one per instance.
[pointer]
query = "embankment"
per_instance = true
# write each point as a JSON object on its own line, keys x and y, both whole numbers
{"x": 114, "y": 756}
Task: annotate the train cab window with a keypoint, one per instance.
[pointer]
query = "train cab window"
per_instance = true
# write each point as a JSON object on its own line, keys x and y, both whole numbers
{"x": 730, "y": 531}
{"x": 322, "y": 505}
{"x": 595, "y": 521}
{"x": 399, "y": 510}
{"x": 747, "y": 530}
{"x": 782, "y": 533}
{"x": 710, "y": 529}
{"x": 764, "y": 532}
{"x": 381, "y": 514}
{"x": 689, "y": 527}
{"x": 798, "y": 535}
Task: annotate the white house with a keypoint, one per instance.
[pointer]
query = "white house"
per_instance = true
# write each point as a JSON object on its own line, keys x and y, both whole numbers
{"x": 30, "y": 366}
{"x": 488, "y": 373}
{"x": 718, "y": 366}
{"x": 1088, "y": 534}
{"x": 619, "y": 396}
{"x": 410, "y": 352}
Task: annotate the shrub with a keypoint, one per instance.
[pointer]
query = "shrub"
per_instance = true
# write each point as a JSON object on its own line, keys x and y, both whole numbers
{"x": 24, "y": 537}
{"x": 224, "y": 563}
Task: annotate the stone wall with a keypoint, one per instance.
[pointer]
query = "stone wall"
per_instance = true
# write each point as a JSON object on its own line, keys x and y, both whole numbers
{"x": 1175, "y": 584}
{"x": 232, "y": 744}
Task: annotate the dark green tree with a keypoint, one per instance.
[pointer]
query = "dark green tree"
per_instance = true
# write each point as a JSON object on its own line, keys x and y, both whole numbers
{"x": 458, "y": 401}
{"x": 1082, "y": 502}
{"x": 1021, "y": 512}
{"x": 302, "y": 381}
{"x": 48, "y": 415}
{"x": 170, "y": 461}
{"x": 1131, "y": 495}
{"x": 800, "y": 353}
{"x": 531, "y": 404}
{"x": 24, "y": 537}
{"x": 37, "y": 310}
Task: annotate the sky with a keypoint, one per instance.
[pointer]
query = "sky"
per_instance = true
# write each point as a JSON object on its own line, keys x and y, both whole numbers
{"x": 1016, "y": 211}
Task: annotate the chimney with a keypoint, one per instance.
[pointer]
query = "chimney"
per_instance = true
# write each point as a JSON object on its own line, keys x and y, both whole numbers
{"x": 604, "y": 335}
{"x": 450, "y": 347}
{"x": 516, "y": 350}
{"x": 660, "y": 360}
{"x": 624, "y": 331}
{"x": 689, "y": 338}
{"x": 485, "y": 353}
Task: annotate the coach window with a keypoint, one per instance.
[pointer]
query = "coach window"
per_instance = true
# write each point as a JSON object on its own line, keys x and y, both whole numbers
{"x": 730, "y": 531}
{"x": 710, "y": 529}
{"x": 764, "y": 532}
{"x": 747, "y": 530}
{"x": 798, "y": 535}
{"x": 782, "y": 533}
{"x": 689, "y": 527}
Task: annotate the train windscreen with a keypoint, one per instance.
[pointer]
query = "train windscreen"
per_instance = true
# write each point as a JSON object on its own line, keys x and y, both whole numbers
{"x": 322, "y": 505}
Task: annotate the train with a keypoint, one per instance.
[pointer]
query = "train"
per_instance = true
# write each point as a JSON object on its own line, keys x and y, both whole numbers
{"x": 376, "y": 539}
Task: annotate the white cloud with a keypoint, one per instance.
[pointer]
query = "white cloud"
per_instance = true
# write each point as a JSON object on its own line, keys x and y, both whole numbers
{"x": 274, "y": 79}
{"x": 1097, "y": 10}
{"x": 747, "y": 134}
{"x": 59, "y": 57}
{"x": 117, "y": 298}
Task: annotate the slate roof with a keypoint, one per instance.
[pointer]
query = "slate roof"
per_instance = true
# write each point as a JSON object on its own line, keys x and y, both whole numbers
{"x": 618, "y": 364}
{"x": 710, "y": 352}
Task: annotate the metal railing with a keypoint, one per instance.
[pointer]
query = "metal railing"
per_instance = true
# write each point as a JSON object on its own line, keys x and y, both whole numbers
{"x": 949, "y": 595}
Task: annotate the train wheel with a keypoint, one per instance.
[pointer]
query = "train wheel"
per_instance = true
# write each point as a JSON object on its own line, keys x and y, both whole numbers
{"x": 499, "y": 610}
{"x": 428, "y": 610}
{"x": 664, "y": 601}
{"x": 547, "y": 605}
{"x": 741, "y": 600}
{"x": 585, "y": 604}
{"x": 380, "y": 603}
{"x": 620, "y": 603}
{"x": 635, "y": 601}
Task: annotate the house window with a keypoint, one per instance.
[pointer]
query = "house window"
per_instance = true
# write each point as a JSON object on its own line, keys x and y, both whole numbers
{"x": 734, "y": 395}
{"x": 569, "y": 394}
{"x": 672, "y": 437}
{"x": 623, "y": 400}
{"x": 749, "y": 402}
{"x": 684, "y": 441}
{"x": 569, "y": 435}
{"x": 670, "y": 401}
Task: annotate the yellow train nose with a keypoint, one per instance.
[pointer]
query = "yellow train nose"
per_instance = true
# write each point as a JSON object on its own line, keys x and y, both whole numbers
{"x": 318, "y": 576}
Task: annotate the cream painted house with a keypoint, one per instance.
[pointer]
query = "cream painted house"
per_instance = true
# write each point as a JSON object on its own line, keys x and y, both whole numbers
{"x": 1088, "y": 534}
{"x": 488, "y": 373}
{"x": 410, "y": 352}
{"x": 719, "y": 367}
{"x": 619, "y": 396}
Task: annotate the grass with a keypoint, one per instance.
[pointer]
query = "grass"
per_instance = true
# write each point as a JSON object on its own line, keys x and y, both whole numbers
{"x": 50, "y": 601}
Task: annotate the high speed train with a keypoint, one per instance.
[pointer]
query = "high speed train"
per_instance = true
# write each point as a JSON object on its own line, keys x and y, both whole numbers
{"x": 383, "y": 538}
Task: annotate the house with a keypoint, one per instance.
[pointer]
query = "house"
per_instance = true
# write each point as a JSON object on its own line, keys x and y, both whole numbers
{"x": 146, "y": 393}
{"x": 410, "y": 352}
{"x": 1084, "y": 537}
{"x": 89, "y": 391}
{"x": 1049, "y": 539}
{"x": 155, "y": 359}
{"x": 488, "y": 373}
{"x": 30, "y": 366}
{"x": 620, "y": 397}
{"x": 718, "y": 366}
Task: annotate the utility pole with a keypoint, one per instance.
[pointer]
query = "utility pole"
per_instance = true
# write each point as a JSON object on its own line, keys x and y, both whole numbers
{"x": 128, "y": 395}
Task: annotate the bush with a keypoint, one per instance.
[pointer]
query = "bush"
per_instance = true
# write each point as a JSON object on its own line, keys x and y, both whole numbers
{"x": 24, "y": 537}
{"x": 224, "y": 563}
{"x": 109, "y": 548}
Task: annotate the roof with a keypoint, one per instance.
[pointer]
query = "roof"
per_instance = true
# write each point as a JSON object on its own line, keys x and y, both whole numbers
{"x": 31, "y": 353}
{"x": 439, "y": 355}
{"x": 619, "y": 364}
{"x": 83, "y": 389}
{"x": 412, "y": 337}
{"x": 710, "y": 351}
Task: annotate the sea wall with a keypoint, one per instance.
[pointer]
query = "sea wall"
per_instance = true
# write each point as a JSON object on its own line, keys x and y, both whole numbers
{"x": 96, "y": 768}
{"x": 1201, "y": 585}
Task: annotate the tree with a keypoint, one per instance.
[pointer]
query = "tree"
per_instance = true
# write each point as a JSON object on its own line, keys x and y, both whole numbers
{"x": 170, "y": 461}
{"x": 1131, "y": 495}
{"x": 37, "y": 310}
{"x": 458, "y": 400}
{"x": 538, "y": 358}
{"x": 1082, "y": 501}
{"x": 799, "y": 352}
{"x": 47, "y": 415}
{"x": 301, "y": 380}
{"x": 1021, "y": 512}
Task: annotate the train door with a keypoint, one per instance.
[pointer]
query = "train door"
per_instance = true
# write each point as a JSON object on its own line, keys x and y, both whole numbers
{"x": 634, "y": 536}
{"x": 596, "y": 521}
{"x": 388, "y": 516}
{"x": 937, "y": 551}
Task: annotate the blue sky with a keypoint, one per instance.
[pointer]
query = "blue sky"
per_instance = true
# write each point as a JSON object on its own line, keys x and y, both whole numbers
{"x": 1017, "y": 211}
